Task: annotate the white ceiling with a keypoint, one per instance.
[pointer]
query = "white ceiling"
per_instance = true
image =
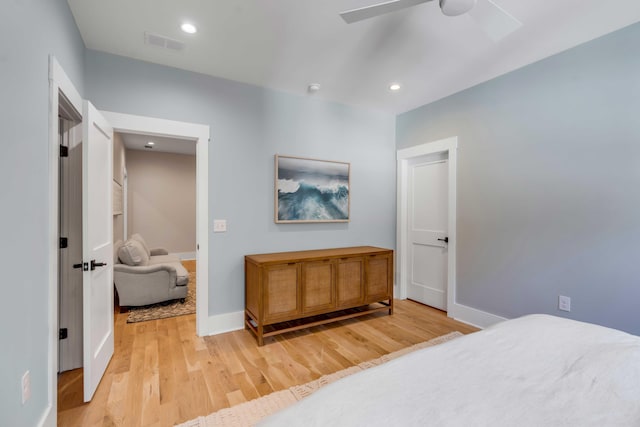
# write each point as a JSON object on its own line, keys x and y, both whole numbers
{"x": 161, "y": 144}
{"x": 287, "y": 44}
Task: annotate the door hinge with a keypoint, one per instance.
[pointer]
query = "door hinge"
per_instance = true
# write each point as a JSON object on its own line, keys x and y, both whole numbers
{"x": 64, "y": 243}
{"x": 64, "y": 151}
{"x": 63, "y": 334}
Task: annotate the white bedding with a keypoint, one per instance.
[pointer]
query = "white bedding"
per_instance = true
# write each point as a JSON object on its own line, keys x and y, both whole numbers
{"x": 537, "y": 370}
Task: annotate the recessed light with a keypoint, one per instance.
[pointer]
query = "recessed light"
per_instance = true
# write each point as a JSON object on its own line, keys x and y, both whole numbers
{"x": 151, "y": 143}
{"x": 189, "y": 28}
{"x": 394, "y": 87}
{"x": 313, "y": 87}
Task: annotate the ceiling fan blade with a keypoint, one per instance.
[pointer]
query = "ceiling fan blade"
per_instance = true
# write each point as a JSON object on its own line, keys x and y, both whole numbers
{"x": 494, "y": 20}
{"x": 355, "y": 15}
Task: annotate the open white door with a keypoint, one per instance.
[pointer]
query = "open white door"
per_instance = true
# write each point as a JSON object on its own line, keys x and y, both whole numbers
{"x": 97, "y": 246}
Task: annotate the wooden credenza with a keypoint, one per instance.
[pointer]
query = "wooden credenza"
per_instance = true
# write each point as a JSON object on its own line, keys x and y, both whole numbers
{"x": 284, "y": 287}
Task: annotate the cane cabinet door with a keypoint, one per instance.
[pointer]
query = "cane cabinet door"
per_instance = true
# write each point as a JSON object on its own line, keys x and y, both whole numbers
{"x": 318, "y": 289}
{"x": 281, "y": 292}
{"x": 378, "y": 277}
{"x": 350, "y": 282}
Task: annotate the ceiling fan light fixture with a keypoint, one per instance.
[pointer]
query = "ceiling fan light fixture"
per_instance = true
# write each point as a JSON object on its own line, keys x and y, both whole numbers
{"x": 456, "y": 7}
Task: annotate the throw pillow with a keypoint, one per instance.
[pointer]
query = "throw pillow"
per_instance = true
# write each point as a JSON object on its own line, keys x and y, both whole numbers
{"x": 132, "y": 253}
{"x": 140, "y": 239}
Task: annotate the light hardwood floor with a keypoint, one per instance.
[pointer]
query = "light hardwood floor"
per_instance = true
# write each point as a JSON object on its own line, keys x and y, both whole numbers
{"x": 162, "y": 373}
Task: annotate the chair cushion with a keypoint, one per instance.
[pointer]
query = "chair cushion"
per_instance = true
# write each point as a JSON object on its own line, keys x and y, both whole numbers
{"x": 133, "y": 253}
{"x": 143, "y": 242}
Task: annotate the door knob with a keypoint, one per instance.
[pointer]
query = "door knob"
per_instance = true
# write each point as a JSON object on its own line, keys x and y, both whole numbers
{"x": 95, "y": 264}
{"x": 446, "y": 240}
{"x": 83, "y": 265}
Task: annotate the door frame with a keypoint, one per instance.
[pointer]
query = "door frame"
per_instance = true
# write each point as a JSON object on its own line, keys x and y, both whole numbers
{"x": 125, "y": 204}
{"x": 449, "y": 146}
{"x": 61, "y": 85}
{"x": 129, "y": 123}
{"x": 70, "y": 209}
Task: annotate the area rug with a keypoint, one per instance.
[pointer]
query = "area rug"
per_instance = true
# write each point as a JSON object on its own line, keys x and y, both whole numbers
{"x": 166, "y": 309}
{"x": 249, "y": 413}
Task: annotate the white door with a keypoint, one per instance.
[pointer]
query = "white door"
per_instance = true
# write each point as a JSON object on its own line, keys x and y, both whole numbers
{"x": 97, "y": 247}
{"x": 427, "y": 230}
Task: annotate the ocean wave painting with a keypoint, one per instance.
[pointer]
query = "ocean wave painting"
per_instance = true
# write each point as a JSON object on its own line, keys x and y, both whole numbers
{"x": 309, "y": 190}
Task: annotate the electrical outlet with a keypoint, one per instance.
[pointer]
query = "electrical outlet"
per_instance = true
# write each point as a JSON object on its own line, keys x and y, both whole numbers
{"x": 26, "y": 387}
{"x": 564, "y": 303}
{"x": 219, "y": 225}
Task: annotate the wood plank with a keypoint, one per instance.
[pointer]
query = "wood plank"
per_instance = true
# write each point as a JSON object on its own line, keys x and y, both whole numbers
{"x": 151, "y": 383}
{"x": 116, "y": 403}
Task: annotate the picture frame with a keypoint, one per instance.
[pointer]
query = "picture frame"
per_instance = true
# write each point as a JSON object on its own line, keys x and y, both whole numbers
{"x": 311, "y": 190}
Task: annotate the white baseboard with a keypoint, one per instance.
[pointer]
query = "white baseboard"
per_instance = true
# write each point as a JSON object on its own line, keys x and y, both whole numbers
{"x": 473, "y": 316}
{"x": 48, "y": 419}
{"x": 221, "y": 323}
{"x": 186, "y": 255}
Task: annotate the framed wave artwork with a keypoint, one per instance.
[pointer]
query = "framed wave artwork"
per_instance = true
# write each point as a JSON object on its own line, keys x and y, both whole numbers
{"x": 311, "y": 190}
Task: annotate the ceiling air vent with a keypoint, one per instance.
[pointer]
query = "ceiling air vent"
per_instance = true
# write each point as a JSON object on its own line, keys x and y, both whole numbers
{"x": 162, "y": 41}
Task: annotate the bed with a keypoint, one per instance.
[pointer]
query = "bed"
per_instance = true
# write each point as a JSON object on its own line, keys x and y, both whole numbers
{"x": 536, "y": 370}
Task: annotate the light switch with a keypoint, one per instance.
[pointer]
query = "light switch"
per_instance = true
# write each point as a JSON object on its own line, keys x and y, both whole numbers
{"x": 219, "y": 225}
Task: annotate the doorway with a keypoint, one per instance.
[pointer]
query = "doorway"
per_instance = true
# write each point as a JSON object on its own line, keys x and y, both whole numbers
{"x": 427, "y": 223}
{"x": 61, "y": 89}
{"x": 198, "y": 134}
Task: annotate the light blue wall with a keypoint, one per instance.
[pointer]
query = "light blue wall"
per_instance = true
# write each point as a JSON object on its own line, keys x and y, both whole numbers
{"x": 30, "y": 31}
{"x": 249, "y": 125}
{"x": 548, "y": 179}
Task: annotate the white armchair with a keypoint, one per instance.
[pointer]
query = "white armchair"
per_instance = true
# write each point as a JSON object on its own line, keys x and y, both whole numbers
{"x": 145, "y": 276}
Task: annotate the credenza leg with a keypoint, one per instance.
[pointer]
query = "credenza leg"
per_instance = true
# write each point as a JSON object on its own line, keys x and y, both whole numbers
{"x": 259, "y": 336}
